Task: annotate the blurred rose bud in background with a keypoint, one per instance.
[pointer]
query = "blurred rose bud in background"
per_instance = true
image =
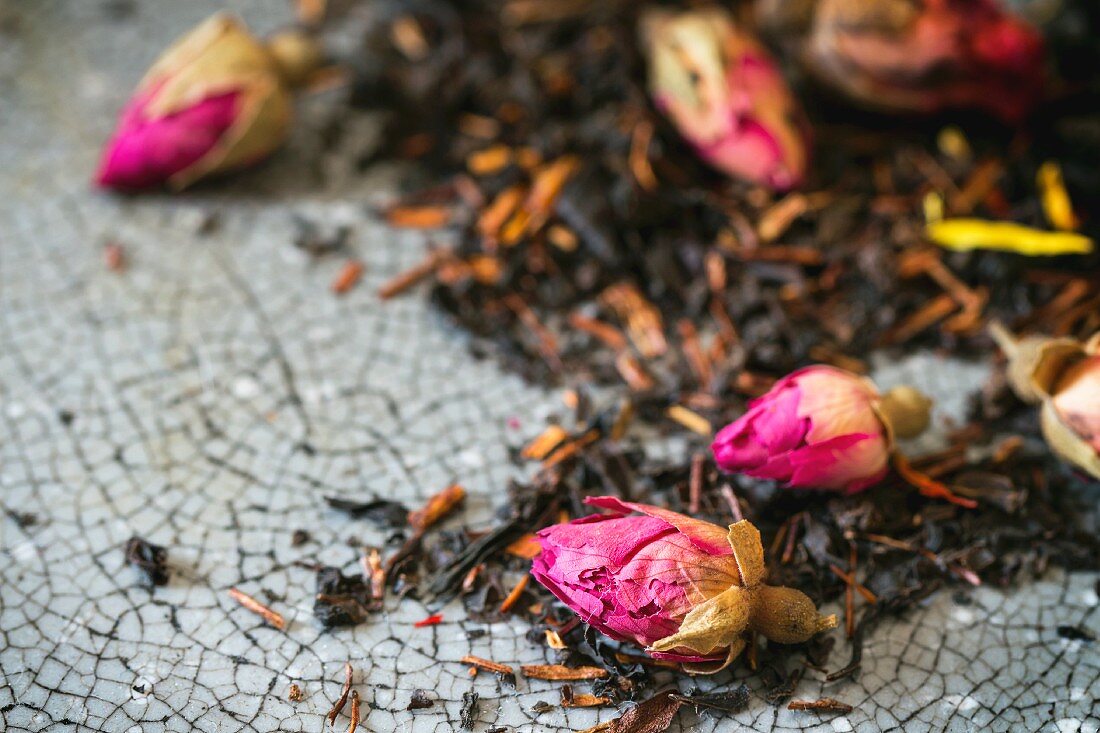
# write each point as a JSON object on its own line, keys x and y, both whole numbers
{"x": 217, "y": 100}
{"x": 724, "y": 93}
{"x": 916, "y": 55}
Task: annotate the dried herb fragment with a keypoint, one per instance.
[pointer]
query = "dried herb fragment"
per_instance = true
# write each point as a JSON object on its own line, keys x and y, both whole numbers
{"x": 354, "y": 717}
{"x": 114, "y": 257}
{"x": 150, "y": 559}
{"x": 268, "y": 615}
{"x": 294, "y": 693}
{"x": 338, "y": 706}
{"x": 340, "y": 600}
{"x": 650, "y": 716}
{"x": 347, "y": 276}
{"x": 488, "y": 665}
{"x": 582, "y": 700}
{"x": 1076, "y": 633}
{"x": 726, "y": 702}
{"x": 963, "y": 235}
{"x": 470, "y": 709}
{"x": 420, "y": 700}
{"x": 438, "y": 506}
{"x": 561, "y": 672}
{"x": 823, "y": 705}
{"x": 383, "y": 512}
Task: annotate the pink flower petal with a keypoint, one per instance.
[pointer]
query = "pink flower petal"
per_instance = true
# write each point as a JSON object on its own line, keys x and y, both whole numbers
{"x": 145, "y": 152}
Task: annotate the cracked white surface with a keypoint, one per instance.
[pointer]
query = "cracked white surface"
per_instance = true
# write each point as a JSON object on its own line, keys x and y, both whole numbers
{"x": 218, "y": 390}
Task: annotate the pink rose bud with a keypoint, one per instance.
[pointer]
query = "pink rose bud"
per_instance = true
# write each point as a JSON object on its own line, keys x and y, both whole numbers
{"x": 685, "y": 589}
{"x": 1062, "y": 375}
{"x": 1077, "y": 400}
{"x": 725, "y": 95}
{"x": 217, "y": 100}
{"x": 821, "y": 428}
{"x": 928, "y": 55}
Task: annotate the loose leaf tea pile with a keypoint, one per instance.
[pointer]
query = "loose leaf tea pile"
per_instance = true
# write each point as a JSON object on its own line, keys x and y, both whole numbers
{"x": 590, "y": 246}
{"x": 593, "y": 244}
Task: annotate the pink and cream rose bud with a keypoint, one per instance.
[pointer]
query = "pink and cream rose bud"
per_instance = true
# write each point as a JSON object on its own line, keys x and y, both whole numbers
{"x": 217, "y": 100}
{"x": 724, "y": 93}
{"x": 1063, "y": 376}
{"x": 917, "y": 55}
{"x": 821, "y": 428}
{"x": 685, "y": 589}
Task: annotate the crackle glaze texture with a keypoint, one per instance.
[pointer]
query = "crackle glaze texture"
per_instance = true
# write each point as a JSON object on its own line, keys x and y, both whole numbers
{"x": 209, "y": 397}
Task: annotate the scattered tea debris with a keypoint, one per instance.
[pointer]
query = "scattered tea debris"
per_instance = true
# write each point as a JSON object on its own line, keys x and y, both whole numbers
{"x": 317, "y": 240}
{"x": 354, "y": 716}
{"x": 271, "y": 617}
{"x": 340, "y": 600}
{"x": 1076, "y": 633}
{"x": 436, "y": 508}
{"x": 294, "y": 693}
{"x": 505, "y": 671}
{"x": 730, "y": 702}
{"x": 150, "y": 559}
{"x": 347, "y": 276}
{"x": 338, "y": 706}
{"x": 561, "y": 672}
{"x": 470, "y": 709}
{"x": 24, "y": 520}
{"x": 383, "y": 512}
{"x": 420, "y": 701}
{"x": 114, "y": 257}
{"x": 569, "y": 699}
{"x": 824, "y": 705}
{"x": 432, "y": 620}
{"x": 650, "y": 716}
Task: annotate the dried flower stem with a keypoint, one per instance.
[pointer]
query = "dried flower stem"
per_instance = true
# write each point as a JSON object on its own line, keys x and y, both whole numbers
{"x": 438, "y": 506}
{"x": 268, "y": 615}
{"x": 354, "y": 711}
{"x": 338, "y": 706}
{"x": 561, "y": 672}
{"x": 514, "y": 596}
{"x": 487, "y": 664}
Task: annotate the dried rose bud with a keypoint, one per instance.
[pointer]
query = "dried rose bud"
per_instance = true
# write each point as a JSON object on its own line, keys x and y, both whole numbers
{"x": 685, "y": 589}
{"x": 821, "y": 428}
{"x": 927, "y": 55}
{"x": 725, "y": 95}
{"x": 1063, "y": 375}
{"x": 218, "y": 99}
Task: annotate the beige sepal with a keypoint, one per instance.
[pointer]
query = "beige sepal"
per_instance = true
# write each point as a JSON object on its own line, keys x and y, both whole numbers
{"x": 784, "y": 615}
{"x": 748, "y": 551}
{"x": 1035, "y": 362}
{"x": 1066, "y": 443}
{"x": 712, "y": 625}
{"x": 905, "y": 411}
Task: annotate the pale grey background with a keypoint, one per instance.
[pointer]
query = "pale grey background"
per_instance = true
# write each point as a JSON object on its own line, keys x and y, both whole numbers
{"x": 194, "y": 378}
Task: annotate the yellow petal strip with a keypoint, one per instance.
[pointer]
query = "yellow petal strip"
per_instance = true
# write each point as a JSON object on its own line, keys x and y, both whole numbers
{"x": 1056, "y": 202}
{"x": 963, "y": 235}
